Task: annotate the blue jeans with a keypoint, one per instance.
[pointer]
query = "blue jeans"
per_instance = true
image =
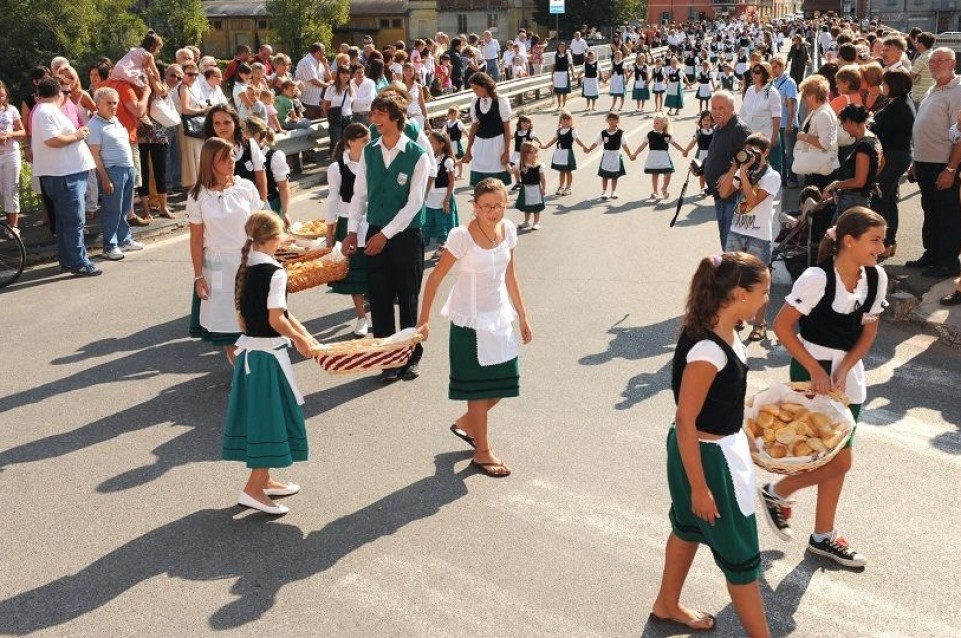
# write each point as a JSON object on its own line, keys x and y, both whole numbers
{"x": 67, "y": 193}
{"x": 760, "y": 248}
{"x": 113, "y": 213}
{"x": 724, "y": 210}
{"x": 493, "y": 70}
{"x": 173, "y": 160}
{"x": 786, "y": 155}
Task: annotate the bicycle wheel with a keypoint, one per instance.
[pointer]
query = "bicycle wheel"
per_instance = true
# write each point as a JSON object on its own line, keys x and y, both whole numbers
{"x": 13, "y": 256}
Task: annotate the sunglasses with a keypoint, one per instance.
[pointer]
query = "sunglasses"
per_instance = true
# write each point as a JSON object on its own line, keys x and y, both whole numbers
{"x": 192, "y": 74}
{"x": 176, "y": 77}
{"x": 757, "y": 72}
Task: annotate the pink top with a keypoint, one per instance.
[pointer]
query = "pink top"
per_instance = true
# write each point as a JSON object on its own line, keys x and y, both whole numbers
{"x": 72, "y": 112}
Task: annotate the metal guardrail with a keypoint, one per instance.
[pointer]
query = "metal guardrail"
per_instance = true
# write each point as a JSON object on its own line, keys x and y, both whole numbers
{"x": 315, "y": 138}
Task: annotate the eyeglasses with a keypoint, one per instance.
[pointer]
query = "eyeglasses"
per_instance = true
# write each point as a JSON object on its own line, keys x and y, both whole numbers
{"x": 757, "y": 72}
{"x": 176, "y": 77}
{"x": 491, "y": 208}
{"x": 192, "y": 74}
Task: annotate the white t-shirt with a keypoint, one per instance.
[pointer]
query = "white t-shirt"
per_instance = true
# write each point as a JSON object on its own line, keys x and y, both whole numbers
{"x": 363, "y": 96}
{"x": 48, "y": 121}
{"x": 579, "y": 47}
{"x": 224, "y": 214}
{"x": 759, "y": 221}
{"x": 277, "y": 295}
{"x": 8, "y": 116}
{"x": 759, "y": 107}
{"x": 242, "y": 110}
{"x": 805, "y": 295}
{"x": 278, "y": 166}
{"x": 711, "y": 352}
{"x": 339, "y": 99}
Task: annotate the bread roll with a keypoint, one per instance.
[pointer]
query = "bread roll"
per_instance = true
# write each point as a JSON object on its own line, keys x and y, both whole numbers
{"x": 791, "y": 407}
{"x": 770, "y": 408}
{"x": 820, "y": 420}
{"x": 768, "y": 435}
{"x": 832, "y": 442}
{"x": 816, "y": 444}
{"x": 785, "y": 416}
{"x": 765, "y": 420}
{"x": 778, "y": 451}
{"x": 753, "y": 430}
{"x": 785, "y": 435}
{"x": 801, "y": 448}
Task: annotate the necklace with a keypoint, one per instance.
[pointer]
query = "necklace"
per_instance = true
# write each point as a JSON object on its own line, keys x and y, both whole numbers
{"x": 493, "y": 243}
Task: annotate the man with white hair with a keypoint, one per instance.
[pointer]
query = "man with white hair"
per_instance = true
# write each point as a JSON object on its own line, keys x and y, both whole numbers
{"x": 936, "y": 162}
{"x": 184, "y": 56}
{"x": 730, "y": 134}
{"x": 578, "y": 48}
{"x": 491, "y": 49}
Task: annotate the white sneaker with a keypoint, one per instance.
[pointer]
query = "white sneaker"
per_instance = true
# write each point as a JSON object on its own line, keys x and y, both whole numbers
{"x": 360, "y": 328}
{"x": 536, "y": 227}
{"x": 614, "y": 195}
{"x": 131, "y": 246}
{"x": 114, "y": 254}
{"x": 523, "y": 225}
{"x": 567, "y": 191}
{"x": 560, "y": 191}
{"x": 604, "y": 196}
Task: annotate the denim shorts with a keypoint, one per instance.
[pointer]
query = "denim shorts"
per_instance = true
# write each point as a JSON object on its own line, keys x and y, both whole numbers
{"x": 760, "y": 248}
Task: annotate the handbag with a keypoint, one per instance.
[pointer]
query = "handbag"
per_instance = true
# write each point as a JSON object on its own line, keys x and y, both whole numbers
{"x": 810, "y": 160}
{"x": 163, "y": 112}
{"x": 194, "y": 126}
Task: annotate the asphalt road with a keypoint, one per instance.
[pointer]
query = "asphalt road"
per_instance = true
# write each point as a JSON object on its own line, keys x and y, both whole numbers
{"x": 120, "y": 519}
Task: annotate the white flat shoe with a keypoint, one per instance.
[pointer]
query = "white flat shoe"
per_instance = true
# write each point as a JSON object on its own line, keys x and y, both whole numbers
{"x": 246, "y": 500}
{"x": 290, "y": 490}
{"x": 360, "y": 330}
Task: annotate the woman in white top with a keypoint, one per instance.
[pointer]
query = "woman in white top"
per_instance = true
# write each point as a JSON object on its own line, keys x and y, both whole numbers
{"x": 217, "y": 208}
{"x": 364, "y": 93}
{"x": 483, "y": 303}
{"x": 249, "y": 160}
{"x": 242, "y": 100}
{"x": 338, "y": 103}
{"x": 417, "y": 107}
{"x": 191, "y": 104}
{"x": 11, "y": 131}
{"x": 820, "y": 129}
{"x": 761, "y": 110}
{"x": 488, "y": 142}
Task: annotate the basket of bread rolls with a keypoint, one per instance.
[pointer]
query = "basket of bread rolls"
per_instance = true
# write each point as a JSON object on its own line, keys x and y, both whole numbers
{"x": 315, "y": 269}
{"x": 793, "y": 430}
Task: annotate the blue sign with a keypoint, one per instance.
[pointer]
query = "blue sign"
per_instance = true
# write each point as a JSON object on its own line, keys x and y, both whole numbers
{"x": 556, "y": 6}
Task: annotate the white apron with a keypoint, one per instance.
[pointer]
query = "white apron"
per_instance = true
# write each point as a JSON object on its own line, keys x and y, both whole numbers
{"x": 617, "y": 83}
{"x": 561, "y": 156}
{"x": 561, "y": 80}
{"x": 590, "y": 87}
{"x": 737, "y": 453}
{"x": 611, "y": 161}
{"x": 218, "y": 313}
{"x": 532, "y": 195}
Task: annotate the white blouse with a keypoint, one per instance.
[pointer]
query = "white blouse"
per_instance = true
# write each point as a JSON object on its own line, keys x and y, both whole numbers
{"x": 479, "y": 298}
{"x": 223, "y": 214}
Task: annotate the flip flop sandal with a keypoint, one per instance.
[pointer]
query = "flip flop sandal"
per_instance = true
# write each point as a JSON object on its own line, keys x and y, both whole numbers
{"x": 487, "y": 467}
{"x": 654, "y": 618}
{"x": 463, "y": 436}
{"x": 759, "y": 333}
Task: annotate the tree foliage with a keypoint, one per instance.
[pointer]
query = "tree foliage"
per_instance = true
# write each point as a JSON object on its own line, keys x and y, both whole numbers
{"x": 33, "y": 32}
{"x": 179, "y": 22}
{"x": 593, "y": 13}
{"x": 296, "y": 24}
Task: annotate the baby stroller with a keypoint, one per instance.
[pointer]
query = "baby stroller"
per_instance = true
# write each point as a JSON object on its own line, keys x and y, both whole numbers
{"x": 802, "y": 231}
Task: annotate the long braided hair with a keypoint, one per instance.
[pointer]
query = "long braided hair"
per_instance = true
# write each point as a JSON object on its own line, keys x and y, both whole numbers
{"x": 261, "y": 227}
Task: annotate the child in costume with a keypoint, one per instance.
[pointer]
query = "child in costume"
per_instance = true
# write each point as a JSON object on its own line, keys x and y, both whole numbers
{"x": 440, "y": 204}
{"x": 530, "y": 172}
{"x": 563, "y": 159}
{"x": 613, "y": 139}
{"x": 659, "y": 158}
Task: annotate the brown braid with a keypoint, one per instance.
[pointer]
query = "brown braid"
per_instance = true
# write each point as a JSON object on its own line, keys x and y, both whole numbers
{"x": 711, "y": 288}
{"x": 261, "y": 227}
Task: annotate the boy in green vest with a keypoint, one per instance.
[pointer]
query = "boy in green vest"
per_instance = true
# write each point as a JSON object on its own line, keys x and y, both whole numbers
{"x": 388, "y": 196}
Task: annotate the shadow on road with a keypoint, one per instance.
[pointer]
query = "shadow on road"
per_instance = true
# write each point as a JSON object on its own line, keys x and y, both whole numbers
{"x": 262, "y": 555}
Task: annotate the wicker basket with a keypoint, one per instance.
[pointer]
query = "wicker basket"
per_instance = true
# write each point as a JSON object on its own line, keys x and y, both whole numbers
{"x": 309, "y": 273}
{"x": 365, "y": 355}
{"x": 791, "y": 465}
{"x": 293, "y": 258}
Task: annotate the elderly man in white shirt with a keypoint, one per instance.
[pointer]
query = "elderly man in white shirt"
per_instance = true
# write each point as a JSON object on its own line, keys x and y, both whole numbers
{"x": 578, "y": 48}
{"x": 491, "y": 49}
{"x": 315, "y": 76}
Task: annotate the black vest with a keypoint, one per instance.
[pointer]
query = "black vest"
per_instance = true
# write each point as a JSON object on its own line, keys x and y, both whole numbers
{"x": 453, "y": 132}
{"x": 723, "y": 409}
{"x": 520, "y": 137}
{"x": 612, "y": 141}
{"x": 565, "y": 140}
{"x": 704, "y": 139}
{"x": 531, "y": 175}
{"x": 617, "y": 68}
{"x": 704, "y": 78}
{"x": 272, "y": 191}
{"x": 347, "y": 178}
{"x": 561, "y": 64}
{"x": 443, "y": 177}
{"x": 674, "y": 75}
{"x": 253, "y": 303}
{"x": 240, "y": 166}
{"x": 490, "y": 124}
{"x": 826, "y": 327}
{"x": 590, "y": 70}
{"x": 658, "y": 75}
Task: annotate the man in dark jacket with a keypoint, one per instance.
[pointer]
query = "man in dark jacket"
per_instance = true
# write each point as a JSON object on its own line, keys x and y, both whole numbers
{"x": 729, "y": 135}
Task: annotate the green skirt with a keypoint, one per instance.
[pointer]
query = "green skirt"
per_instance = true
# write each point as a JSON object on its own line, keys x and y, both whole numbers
{"x": 265, "y": 425}
{"x": 641, "y": 94}
{"x": 471, "y": 381}
{"x": 800, "y": 373}
{"x": 355, "y": 283}
{"x": 733, "y": 537}
{"x": 476, "y": 177}
{"x": 196, "y": 331}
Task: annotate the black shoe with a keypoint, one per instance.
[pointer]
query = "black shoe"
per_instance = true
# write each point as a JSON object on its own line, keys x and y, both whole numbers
{"x": 837, "y": 550}
{"x": 954, "y": 299}
{"x": 410, "y": 372}
{"x": 923, "y": 262}
{"x": 389, "y": 376}
{"x": 940, "y": 272}
{"x": 778, "y": 512}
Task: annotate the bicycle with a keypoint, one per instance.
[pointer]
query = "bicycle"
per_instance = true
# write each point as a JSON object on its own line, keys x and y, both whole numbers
{"x": 13, "y": 255}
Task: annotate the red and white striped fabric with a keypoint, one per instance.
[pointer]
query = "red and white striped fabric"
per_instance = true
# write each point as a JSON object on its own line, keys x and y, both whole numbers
{"x": 358, "y": 362}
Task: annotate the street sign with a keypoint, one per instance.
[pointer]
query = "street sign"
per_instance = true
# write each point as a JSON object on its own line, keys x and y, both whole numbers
{"x": 556, "y": 7}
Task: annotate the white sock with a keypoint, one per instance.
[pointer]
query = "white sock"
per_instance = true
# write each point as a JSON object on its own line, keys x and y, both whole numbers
{"x": 820, "y": 538}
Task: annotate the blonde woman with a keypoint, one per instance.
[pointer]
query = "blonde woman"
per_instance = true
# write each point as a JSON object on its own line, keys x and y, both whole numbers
{"x": 820, "y": 128}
